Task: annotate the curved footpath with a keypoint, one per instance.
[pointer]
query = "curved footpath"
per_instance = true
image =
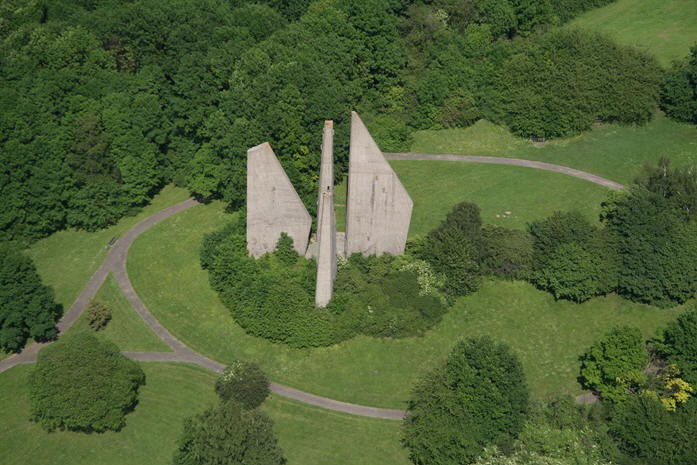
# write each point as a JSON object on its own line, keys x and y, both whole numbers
{"x": 115, "y": 263}
{"x": 510, "y": 162}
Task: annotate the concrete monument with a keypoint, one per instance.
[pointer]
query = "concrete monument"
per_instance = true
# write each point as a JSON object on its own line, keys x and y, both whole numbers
{"x": 378, "y": 210}
{"x": 326, "y": 225}
{"x": 273, "y": 205}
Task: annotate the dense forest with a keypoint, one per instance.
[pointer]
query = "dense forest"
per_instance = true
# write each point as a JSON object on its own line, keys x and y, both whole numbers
{"x": 105, "y": 101}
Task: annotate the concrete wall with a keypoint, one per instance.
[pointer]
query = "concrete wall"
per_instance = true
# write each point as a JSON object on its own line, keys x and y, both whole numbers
{"x": 273, "y": 205}
{"x": 378, "y": 210}
{"x": 326, "y": 224}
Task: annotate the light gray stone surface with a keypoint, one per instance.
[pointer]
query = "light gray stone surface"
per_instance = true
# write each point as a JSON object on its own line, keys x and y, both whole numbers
{"x": 273, "y": 205}
{"x": 378, "y": 209}
{"x": 326, "y": 224}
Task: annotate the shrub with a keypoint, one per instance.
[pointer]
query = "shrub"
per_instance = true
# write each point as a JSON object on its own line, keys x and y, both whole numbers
{"x": 557, "y": 434}
{"x": 273, "y": 297}
{"x": 98, "y": 315}
{"x": 83, "y": 383}
{"x": 656, "y": 245}
{"x": 613, "y": 367}
{"x": 229, "y": 435}
{"x": 571, "y": 258}
{"x": 27, "y": 306}
{"x": 506, "y": 252}
{"x": 680, "y": 344}
{"x": 454, "y": 249}
{"x": 477, "y": 398}
{"x": 558, "y": 83}
{"x": 243, "y": 382}
{"x": 679, "y": 92}
{"x": 644, "y": 429}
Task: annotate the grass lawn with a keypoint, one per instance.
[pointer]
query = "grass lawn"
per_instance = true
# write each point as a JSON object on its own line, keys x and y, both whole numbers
{"x": 67, "y": 259}
{"x": 174, "y": 391}
{"x": 547, "y": 335}
{"x": 613, "y": 151}
{"x": 126, "y": 328}
{"x": 665, "y": 28}
{"x": 507, "y": 195}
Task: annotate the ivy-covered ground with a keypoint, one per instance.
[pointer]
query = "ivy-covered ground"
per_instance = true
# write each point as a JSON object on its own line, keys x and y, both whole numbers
{"x": 308, "y": 435}
{"x": 548, "y": 335}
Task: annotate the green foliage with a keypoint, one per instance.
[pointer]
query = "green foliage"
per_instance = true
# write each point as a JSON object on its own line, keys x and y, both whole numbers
{"x": 558, "y": 433}
{"x": 98, "y": 315}
{"x": 679, "y": 92}
{"x": 680, "y": 344}
{"x": 506, "y": 252}
{"x": 453, "y": 249}
{"x": 285, "y": 251}
{"x": 655, "y": 233}
{"x": 228, "y": 435}
{"x": 273, "y": 297}
{"x": 613, "y": 367}
{"x": 571, "y": 258}
{"x": 561, "y": 82}
{"x": 644, "y": 429}
{"x": 82, "y": 383}
{"x": 243, "y": 382}
{"x": 477, "y": 398}
{"x": 27, "y": 306}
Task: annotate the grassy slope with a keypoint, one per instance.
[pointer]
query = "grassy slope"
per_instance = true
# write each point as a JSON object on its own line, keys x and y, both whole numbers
{"x": 126, "y": 328}
{"x": 548, "y": 335}
{"x": 173, "y": 392}
{"x": 666, "y": 28}
{"x": 616, "y": 152}
{"x": 67, "y": 259}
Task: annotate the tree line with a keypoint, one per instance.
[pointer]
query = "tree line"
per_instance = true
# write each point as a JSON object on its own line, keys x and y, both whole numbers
{"x": 106, "y": 101}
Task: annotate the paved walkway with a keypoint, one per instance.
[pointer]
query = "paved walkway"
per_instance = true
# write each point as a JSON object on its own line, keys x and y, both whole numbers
{"x": 510, "y": 162}
{"x": 115, "y": 263}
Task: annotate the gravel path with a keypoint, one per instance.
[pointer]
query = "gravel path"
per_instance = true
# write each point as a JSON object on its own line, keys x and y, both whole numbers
{"x": 510, "y": 162}
{"x": 115, "y": 263}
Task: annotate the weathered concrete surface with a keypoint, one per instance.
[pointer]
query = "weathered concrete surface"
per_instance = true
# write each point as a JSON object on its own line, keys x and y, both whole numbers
{"x": 378, "y": 210}
{"x": 273, "y": 205}
{"x": 326, "y": 223}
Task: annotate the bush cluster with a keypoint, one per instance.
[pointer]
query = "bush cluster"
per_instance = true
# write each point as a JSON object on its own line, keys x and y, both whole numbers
{"x": 98, "y": 315}
{"x": 229, "y": 434}
{"x": 571, "y": 258}
{"x": 463, "y": 251}
{"x": 273, "y": 297}
{"x": 243, "y": 382}
{"x": 561, "y": 82}
{"x": 679, "y": 92}
{"x": 83, "y": 383}
{"x": 27, "y": 306}
{"x": 614, "y": 366}
{"x": 477, "y": 398}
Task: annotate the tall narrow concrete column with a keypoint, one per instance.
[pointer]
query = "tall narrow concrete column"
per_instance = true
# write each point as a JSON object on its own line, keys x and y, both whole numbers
{"x": 378, "y": 208}
{"x": 273, "y": 205}
{"x": 326, "y": 224}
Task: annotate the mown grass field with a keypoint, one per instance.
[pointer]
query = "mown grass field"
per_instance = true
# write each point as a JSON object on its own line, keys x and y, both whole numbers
{"x": 548, "y": 335}
{"x": 613, "y": 151}
{"x": 308, "y": 436}
{"x": 507, "y": 195}
{"x": 665, "y": 28}
{"x": 126, "y": 328}
{"x": 67, "y": 259}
